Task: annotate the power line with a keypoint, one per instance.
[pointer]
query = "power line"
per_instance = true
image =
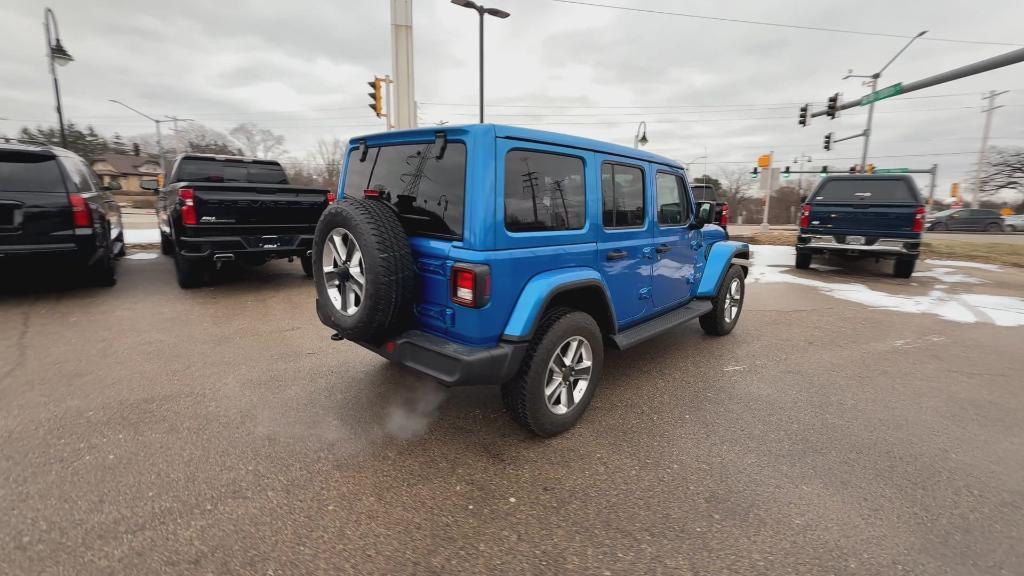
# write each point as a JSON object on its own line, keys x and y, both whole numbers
{"x": 781, "y": 25}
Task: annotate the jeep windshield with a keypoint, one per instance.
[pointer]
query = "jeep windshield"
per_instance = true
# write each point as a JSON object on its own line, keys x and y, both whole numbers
{"x": 428, "y": 193}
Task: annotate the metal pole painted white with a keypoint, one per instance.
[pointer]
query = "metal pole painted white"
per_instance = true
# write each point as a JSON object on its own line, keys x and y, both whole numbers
{"x": 402, "y": 68}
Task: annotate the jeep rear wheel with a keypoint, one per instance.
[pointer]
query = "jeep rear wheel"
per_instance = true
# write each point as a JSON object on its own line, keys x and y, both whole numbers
{"x": 559, "y": 373}
{"x": 363, "y": 269}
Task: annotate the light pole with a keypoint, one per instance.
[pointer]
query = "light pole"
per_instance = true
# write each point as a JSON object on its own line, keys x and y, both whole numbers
{"x": 640, "y": 139}
{"x": 159, "y": 144}
{"x": 57, "y": 56}
{"x": 704, "y": 157}
{"x": 872, "y": 82}
{"x": 481, "y": 11}
{"x": 803, "y": 157}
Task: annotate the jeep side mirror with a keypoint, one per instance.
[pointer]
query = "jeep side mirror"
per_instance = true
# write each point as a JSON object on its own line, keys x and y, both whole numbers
{"x": 705, "y": 214}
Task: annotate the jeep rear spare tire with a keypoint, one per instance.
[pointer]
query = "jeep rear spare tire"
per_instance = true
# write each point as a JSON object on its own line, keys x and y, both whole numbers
{"x": 363, "y": 270}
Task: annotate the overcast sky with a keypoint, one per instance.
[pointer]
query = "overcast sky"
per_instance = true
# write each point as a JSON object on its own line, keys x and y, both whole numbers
{"x": 300, "y": 68}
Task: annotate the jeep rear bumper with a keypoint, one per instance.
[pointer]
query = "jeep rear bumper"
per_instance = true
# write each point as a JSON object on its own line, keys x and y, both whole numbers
{"x": 452, "y": 363}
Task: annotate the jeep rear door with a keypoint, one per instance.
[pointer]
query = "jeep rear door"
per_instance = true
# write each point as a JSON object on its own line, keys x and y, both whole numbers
{"x": 34, "y": 205}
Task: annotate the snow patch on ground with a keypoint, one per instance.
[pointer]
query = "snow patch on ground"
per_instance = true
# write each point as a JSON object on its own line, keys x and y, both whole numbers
{"x": 773, "y": 264}
{"x": 150, "y": 236}
{"x": 142, "y": 256}
{"x": 959, "y": 264}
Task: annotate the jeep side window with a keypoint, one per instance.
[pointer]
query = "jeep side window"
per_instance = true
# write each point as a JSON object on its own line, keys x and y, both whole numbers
{"x": 622, "y": 196}
{"x": 543, "y": 192}
{"x": 673, "y": 209}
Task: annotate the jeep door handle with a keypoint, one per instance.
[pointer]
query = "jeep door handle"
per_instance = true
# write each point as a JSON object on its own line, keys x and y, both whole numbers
{"x": 616, "y": 255}
{"x": 663, "y": 248}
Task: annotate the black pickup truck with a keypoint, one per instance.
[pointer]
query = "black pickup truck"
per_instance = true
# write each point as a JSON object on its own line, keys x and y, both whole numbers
{"x": 863, "y": 216}
{"x": 216, "y": 209}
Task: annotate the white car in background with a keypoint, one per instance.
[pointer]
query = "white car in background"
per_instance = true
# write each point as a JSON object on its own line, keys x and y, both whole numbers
{"x": 1014, "y": 223}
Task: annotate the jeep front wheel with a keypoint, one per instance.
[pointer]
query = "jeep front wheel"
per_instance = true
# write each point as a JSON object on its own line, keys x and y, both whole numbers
{"x": 728, "y": 304}
{"x": 558, "y": 376}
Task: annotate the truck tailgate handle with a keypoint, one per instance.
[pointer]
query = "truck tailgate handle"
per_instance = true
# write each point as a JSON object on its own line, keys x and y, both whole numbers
{"x": 616, "y": 255}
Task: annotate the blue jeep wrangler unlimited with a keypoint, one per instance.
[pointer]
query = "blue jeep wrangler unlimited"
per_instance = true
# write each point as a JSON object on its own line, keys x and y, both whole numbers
{"x": 490, "y": 254}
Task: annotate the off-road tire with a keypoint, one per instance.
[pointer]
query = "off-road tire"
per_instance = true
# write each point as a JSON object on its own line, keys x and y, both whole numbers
{"x": 307, "y": 265}
{"x": 803, "y": 260}
{"x": 903, "y": 267}
{"x": 716, "y": 323}
{"x": 523, "y": 396}
{"x": 166, "y": 245}
{"x": 390, "y": 289}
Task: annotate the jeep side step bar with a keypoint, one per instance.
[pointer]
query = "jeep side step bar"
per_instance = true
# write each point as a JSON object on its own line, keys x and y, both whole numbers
{"x": 651, "y": 328}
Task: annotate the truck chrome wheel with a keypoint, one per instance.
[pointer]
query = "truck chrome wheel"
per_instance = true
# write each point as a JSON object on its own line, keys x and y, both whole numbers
{"x": 568, "y": 375}
{"x": 344, "y": 272}
{"x": 733, "y": 300}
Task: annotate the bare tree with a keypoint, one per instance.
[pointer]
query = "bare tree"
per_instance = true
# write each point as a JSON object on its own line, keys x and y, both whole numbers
{"x": 736, "y": 187}
{"x": 1003, "y": 170}
{"x": 327, "y": 160}
{"x": 257, "y": 142}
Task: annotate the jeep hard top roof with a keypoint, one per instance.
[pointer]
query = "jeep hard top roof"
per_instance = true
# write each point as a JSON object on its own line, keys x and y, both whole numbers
{"x": 517, "y": 133}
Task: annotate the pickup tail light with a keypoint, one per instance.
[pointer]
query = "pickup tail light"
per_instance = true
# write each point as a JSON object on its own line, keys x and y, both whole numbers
{"x": 918, "y": 220}
{"x": 471, "y": 285}
{"x": 725, "y": 215}
{"x": 81, "y": 215}
{"x": 805, "y": 216}
{"x": 188, "y": 206}
{"x": 331, "y": 197}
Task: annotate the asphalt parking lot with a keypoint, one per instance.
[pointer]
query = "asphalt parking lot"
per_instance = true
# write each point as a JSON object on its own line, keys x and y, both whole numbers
{"x": 852, "y": 424}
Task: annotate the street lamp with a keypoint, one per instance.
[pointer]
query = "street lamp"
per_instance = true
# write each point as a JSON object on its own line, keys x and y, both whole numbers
{"x": 872, "y": 81}
{"x": 59, "y": 56}
{"x": 481, "y": 11}
{"x": 641, "y": 135}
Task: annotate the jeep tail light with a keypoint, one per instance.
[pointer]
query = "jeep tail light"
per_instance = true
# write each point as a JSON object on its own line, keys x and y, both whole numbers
{"x": 725, "y": 215}
{"x": 805, "y": 216}
{"x": 371, "y": 193}
{"x": 188, "y": 206}
{"x": 81, "y": 215}
{"x": 331, "y": 197}
{"x": 471, "y": 285}
{"x": 918, "y": 220}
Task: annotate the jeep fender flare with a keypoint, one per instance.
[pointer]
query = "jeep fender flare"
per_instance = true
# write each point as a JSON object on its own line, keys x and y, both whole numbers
{"x": 541, "y": 289}
{"x": 719, "y": 257}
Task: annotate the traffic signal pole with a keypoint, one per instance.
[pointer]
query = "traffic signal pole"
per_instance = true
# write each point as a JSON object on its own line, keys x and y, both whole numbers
{"x": 867, "y": 128}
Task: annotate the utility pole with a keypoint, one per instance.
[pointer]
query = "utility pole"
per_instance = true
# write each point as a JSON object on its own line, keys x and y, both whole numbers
{"x": 402, "y": 65}
{"x": 978, "y": 177}
{"x": 177, "y": 135}
{"x": 931, "y": 185}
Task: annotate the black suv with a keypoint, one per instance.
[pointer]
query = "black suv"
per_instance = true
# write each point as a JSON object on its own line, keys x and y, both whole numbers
{"x": 53, "y": 210}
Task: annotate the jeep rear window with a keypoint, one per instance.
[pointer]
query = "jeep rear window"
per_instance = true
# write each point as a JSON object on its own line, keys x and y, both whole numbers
{"x": 543, "y": 192}
{"x": 213, "y": 170}
{"x": 865, "y": 191}
{"x": 428, "y": 193}
{"x": 29, "y": 172}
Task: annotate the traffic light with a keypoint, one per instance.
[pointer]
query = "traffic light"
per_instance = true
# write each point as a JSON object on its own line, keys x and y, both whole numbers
{"x": 828, "y": 141}
{"x": 870, "y": 169}
{"x": 753, "y": 173}
{"x": 785, "y": 173}
{"x": 805, "y": 116}
{"x": 954, "y": 190}
{"x": 375, "y": 97}
{"x": 832, "y": 110}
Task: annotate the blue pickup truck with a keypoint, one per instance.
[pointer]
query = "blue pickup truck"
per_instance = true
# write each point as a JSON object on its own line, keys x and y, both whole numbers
{"x": 863, "y": 216}
{"x": 490, "y": 254}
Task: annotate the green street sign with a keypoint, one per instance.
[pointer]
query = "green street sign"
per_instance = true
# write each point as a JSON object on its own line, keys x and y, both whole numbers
{"x": 892, "y": 170}
{"x": 887, "y": 92}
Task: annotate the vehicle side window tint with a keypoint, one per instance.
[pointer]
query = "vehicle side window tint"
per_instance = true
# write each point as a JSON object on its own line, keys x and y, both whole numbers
{"x": 673, "y": 207}
{"x": 622, "y": 196}
{"x": 78, "y": 175}
{"x": 543, "y": 192}
{"x": 94, "y": 179}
